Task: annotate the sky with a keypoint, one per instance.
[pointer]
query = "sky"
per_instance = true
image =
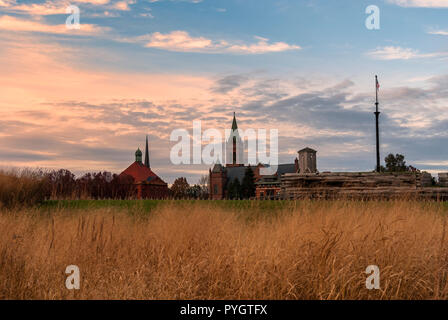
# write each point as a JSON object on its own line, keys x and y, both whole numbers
{"x": 84, "y": 99}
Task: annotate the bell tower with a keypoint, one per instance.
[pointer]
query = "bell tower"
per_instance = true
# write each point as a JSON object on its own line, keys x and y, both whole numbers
{"x": 234, "y": 147}
{"x": 307, "y": 161}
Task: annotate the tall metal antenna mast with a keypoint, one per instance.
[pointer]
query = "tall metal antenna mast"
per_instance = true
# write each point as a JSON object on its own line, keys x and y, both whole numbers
{"x": 377, "y": 115}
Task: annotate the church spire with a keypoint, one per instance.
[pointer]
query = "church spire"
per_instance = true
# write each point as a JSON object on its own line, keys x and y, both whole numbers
{"x": 234, "y": 146}
{"x": 147, "y": 154}
{"x": 234, "y": 130}
{"x": 234, "y": 125}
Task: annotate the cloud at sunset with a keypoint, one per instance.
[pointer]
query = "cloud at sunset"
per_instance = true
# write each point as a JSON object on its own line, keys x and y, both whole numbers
{"x": 52, "y": 125}
{"x": 58, "y": 7}
{"x": 398, "y": 53}
{"x": 182, "y": 41}
{"x": 85, "y": 99}
{"x": 421, "y": 3}
{"x": 10, "y": 23}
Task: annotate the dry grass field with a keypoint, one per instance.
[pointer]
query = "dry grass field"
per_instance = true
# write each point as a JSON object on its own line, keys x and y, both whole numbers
{"x": 201, "y": 250}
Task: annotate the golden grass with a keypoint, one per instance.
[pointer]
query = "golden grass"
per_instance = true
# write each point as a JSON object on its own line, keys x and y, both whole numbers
{"x": 318, "y": 250}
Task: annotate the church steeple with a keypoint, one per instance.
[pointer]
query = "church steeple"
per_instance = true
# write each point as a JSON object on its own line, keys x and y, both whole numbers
{"x": 147, "y": 154}
{"x": 234, "y": 128}
{"x": 234, "y": 125}
{"x": 234, "y": 146}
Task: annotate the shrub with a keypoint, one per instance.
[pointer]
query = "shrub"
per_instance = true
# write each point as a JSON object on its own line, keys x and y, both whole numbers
{"x": 22, "y": 187}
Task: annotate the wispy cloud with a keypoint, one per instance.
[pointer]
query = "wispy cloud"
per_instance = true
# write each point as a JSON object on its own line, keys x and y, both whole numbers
{"x": 45, "y": 8}
{"x": 439, "y": 32}
{"x": 10, "y": 23}
{"x": 182, "y": 41}
{"x": 192, "y": 1}
{"x": 229, "y": 83}
{"x": 58, "y": 6}
{"x": 96, "y": 2}
{"x": 262, "y": 46}
{"x": 178, "y": 41}
{"x": 7, "y": 3}
{"x": 399, "y": 53}
{"x": 122, "y": 5}
{"x": 421, "y": 3}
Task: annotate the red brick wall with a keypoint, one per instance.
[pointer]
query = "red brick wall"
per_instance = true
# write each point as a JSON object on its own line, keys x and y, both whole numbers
{"x": 218, "y": 180}
{"x": 262, "y": 192}
{"x": 155, "y": 191}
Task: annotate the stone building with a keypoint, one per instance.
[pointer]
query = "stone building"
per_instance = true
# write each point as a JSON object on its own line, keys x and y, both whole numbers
{"x": 269, "y": 187}
{"x": 443, "y": 179}
{"x": 220, "y": 176}
{"x": 147, "y": 184}
{"x": 307, "y": 160}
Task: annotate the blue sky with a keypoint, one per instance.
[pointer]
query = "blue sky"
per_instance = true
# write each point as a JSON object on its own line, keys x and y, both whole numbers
{"x": 84, "y": 99}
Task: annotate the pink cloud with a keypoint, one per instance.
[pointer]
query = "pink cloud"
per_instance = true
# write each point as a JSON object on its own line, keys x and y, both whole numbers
{"x": 10, "y": 23}
{"x": 421, "y": 3}
{"x": 182, "y": 41}
{"x": 399, "y": 53}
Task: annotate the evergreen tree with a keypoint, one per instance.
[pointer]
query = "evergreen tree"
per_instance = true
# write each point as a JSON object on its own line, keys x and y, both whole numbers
{"x": 395, "y": 163}
{"x": 248, "y": 185}
{"x": 237, "y": 187}
{"x": 234, "y": 189}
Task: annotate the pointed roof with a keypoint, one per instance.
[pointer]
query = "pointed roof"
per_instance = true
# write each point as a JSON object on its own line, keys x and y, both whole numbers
{"x": 147, "y": 154}
{"x": 234, "y": 125}
{"x": 217, "y": 168}
{"x": 140, "y": 173}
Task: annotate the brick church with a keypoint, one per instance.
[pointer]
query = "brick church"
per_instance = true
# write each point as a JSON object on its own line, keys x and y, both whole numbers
{"x": 147, "y": 184}
{"x": 220, "y": 176}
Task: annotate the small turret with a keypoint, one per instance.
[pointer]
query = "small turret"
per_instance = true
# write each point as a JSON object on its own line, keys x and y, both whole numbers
{"x": 307, "y": 161}
{"x": 138, "y": 156}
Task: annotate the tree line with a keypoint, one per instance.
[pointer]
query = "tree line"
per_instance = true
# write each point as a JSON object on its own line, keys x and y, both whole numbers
{"x": 106, "y": 185}
{"x": 29, "y": 187}
{"x": 63, "y": 184}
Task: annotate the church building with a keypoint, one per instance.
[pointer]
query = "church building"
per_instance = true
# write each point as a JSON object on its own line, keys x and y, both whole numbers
{"x": 147, "y": 184}
{"x": 221, "y": 176}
